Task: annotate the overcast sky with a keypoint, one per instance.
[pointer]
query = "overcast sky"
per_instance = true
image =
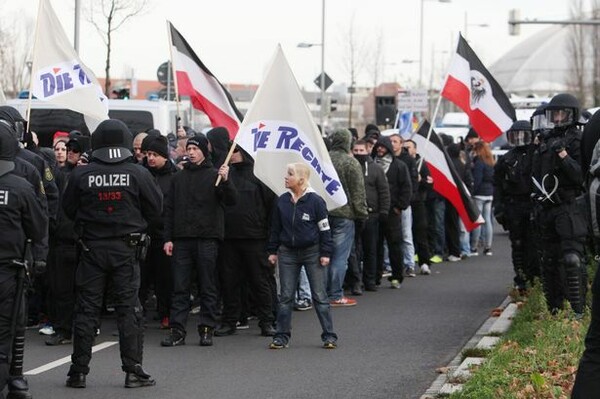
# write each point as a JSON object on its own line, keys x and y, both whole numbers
{"x": 236, "y": 38}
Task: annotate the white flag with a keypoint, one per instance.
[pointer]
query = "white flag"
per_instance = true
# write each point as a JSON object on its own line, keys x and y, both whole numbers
{"x": 59, "y": 76}
{"x": 278, "y": 129}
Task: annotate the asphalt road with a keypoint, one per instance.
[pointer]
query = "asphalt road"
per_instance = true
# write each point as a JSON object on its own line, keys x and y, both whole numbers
{"x": 389, "y": 347}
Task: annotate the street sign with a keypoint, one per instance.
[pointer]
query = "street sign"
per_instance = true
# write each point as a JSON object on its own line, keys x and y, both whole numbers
{"x": 328, "y": 81}
{"x": 415, "y": 100}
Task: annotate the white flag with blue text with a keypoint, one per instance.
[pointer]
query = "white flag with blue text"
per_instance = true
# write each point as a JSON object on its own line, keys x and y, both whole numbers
{"x": 278, "y": 129}
{"x": 404, "y": 122}
{"x": 58, "y": 74}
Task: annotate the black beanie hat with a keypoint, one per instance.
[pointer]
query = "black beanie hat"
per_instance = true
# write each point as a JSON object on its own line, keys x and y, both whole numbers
{"x": 158, "y": 145}
{"x": 200, "y": 141}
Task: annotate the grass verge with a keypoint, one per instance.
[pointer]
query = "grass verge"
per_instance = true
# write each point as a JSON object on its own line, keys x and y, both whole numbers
{"x": 537, "y": 358}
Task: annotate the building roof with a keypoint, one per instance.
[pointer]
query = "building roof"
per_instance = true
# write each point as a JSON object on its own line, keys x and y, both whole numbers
{"x": 539, "y": 64}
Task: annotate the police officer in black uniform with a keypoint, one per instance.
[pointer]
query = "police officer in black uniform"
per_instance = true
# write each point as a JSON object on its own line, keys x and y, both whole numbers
{"x": 111, "y": 201}
{"x": 22, "y": 215}
{"x": 512, "y": 201}
{"x": 558, "y": 180}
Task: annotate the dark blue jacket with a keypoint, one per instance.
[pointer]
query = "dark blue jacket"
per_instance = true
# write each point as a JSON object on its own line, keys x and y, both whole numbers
{"x": 483, "y": 178}
{"x": 301, "y": 224}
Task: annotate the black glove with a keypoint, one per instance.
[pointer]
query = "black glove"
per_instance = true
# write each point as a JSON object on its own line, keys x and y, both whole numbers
{"x": 500, "y": 217}
{"x": 557, "y": 145}
{"x": 39, "y": 267}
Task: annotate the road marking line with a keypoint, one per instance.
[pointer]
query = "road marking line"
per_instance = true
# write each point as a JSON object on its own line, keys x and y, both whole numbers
{"x": 67, "y": 359}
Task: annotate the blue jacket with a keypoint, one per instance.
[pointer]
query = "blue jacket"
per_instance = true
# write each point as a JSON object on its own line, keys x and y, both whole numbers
{"x": 301, "y": 224}
{"x": 483, "y": 178}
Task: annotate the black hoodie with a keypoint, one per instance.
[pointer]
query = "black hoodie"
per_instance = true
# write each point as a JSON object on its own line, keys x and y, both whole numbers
{"x": 397, "y": 175}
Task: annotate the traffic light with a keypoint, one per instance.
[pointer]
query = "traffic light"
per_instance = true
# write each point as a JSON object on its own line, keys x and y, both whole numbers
{"x": 333, "y": 105}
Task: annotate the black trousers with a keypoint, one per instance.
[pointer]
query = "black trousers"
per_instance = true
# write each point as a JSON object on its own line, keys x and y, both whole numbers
{"x": 8, "y": 286}
{"x": 61, "y": 276}
{"x": 587, "y": 381}
{"x": 158, "y": 274}
{"x": 245, "y": 261}
{"x": 563, "y": 230}
{"x": 189, "y": 255}
{"x": 391, "y": 231}
{"x": 523, "y": 242}
{"x": 452, "y": 229}
{"x": 115, "y": 262}
{"x": 419, "y": 230}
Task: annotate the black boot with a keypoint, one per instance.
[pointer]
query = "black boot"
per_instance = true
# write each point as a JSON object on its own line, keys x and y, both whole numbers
{"x": 175, "y": 338}
{"x": 206, "y": 335}
{"x": 76, "y": 380}
{"x": 18, "y": 388}
{"x": 224, "y": 330}
{"x": 138, "y": 378}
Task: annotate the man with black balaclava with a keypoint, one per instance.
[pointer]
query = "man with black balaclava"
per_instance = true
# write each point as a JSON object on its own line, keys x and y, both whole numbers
{"x": 111, "y": 201}
{"x": 512, "y": 201}
{"x": 561, "y": 214}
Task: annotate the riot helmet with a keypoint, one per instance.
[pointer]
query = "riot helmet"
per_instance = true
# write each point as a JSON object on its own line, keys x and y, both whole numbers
{"x": 563, "y": 110}
{"x": 15, "y": 120}
{"x": 538, "y": 119}
{"x": 112, "y": 141}
{"x": 519, "y": 134}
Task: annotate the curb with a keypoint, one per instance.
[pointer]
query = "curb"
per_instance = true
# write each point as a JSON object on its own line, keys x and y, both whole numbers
{"x": 458, "y": 370}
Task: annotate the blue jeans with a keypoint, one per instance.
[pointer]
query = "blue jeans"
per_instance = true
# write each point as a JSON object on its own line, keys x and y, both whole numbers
{"x": 342, "y": 233}
{"x": 303, "y": 291}
{"x": 484, "y": 204}
{"x": 465, "y": 240}
{"x": 408, "y": 248}
{"x": 290, "y": 261}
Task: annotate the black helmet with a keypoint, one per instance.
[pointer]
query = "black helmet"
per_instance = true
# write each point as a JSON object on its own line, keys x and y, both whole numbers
{"x": 112, "y": 141}
{"x": 16, "y": 121}
{"x": 563, "y": 110}
{"x": 8, "y": 149}
{"x": 519, "y": 133}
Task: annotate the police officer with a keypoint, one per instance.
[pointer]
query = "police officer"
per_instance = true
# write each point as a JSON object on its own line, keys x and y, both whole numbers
{"x": 512, "y": 201}
{"x": 558, "y": 179}
{"x": 111, "y": 201}
{"x": 23, "y": 215}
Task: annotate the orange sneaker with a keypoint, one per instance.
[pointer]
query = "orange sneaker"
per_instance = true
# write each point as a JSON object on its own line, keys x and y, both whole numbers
{"x": 343, "y": 301}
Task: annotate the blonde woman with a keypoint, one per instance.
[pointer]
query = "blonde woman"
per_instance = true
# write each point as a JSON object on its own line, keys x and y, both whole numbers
{"x": 300, "y": 236}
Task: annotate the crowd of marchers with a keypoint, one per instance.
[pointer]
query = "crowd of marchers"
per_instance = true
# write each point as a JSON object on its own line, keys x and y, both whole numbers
{"x": 139, "y": 226}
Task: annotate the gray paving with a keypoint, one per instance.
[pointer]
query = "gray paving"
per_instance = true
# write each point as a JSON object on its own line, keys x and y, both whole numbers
{"x": 390, "y": 345}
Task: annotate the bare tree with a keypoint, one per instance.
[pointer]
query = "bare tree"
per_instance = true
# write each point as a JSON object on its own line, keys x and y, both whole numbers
{"x": 595, "y": 47}
{"x": 376, "y": 61}
{"x": 354, "y": 58}
{"x": 15, "y": 52}
{"x": 113, "y": 14}
{"x": 576, "y": 51}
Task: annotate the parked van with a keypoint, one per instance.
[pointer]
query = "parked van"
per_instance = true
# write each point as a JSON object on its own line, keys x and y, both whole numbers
{"x": 139, "y": 115}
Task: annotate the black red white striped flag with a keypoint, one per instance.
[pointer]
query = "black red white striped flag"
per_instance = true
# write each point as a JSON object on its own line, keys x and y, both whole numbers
{"x": 206, "y": 93}
{"x": 473, "y": 89}
{"x": 446, "y": 181}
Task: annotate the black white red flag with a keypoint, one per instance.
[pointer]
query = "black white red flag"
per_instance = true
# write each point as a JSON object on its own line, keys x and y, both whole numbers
{"x": 446, "y": 181}
{"x": 206, "y": 93}
{"x": 473, "y": 89}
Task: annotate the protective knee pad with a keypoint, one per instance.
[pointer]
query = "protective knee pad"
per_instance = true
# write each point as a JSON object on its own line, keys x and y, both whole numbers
{"x": 574, "y": 281}
{"x": 552, "y": 284}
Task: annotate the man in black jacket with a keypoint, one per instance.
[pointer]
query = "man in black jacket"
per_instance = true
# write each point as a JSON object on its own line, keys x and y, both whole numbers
{"x": 111, "y": 201}
{"x": 194, "y": 226}
{"x": 158, "y": 264}
{"x": 400, "y": 193}
{"x": 378, "y": 205}
{"x": 244, "y": 251}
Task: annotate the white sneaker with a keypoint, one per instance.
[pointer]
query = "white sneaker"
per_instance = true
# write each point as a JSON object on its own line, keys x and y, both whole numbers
{"x": 452, "y": 258}
{"x": 47, "y": 330}
{"x": 425, "y": 269}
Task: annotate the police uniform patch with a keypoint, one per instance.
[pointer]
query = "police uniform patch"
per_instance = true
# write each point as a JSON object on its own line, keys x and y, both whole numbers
{"x": 48, "y": 174}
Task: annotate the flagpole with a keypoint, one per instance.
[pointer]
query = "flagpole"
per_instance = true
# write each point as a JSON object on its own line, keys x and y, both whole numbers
{"x": 174, "y": 73}
{"x": 33, "y": 65}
